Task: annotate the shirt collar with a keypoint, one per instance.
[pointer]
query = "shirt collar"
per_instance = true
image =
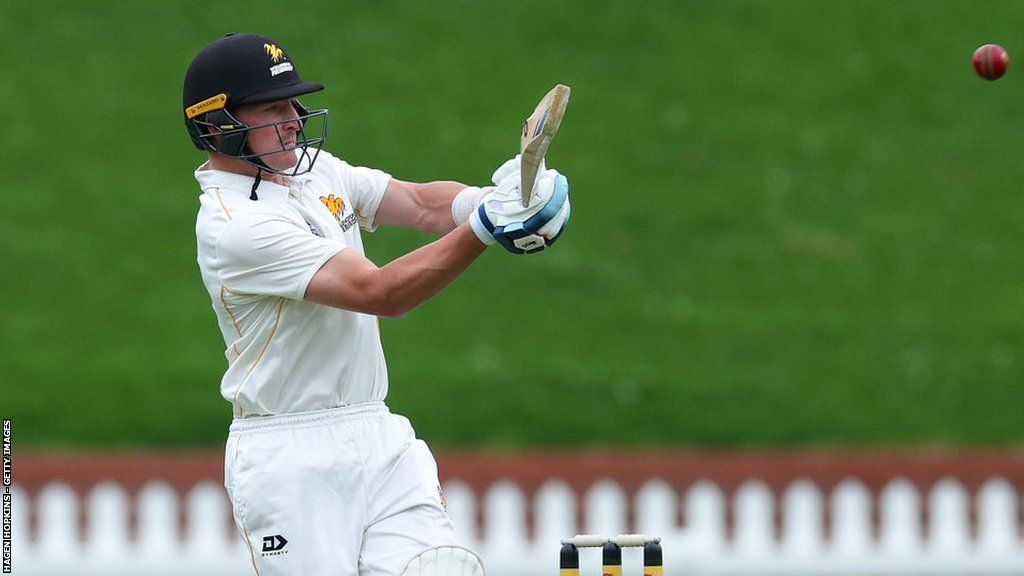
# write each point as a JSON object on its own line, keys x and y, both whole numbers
{"x": 213, "y": 178}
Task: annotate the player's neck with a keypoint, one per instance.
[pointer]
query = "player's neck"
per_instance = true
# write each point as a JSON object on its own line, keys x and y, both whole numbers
{"x": 221, "y": 162}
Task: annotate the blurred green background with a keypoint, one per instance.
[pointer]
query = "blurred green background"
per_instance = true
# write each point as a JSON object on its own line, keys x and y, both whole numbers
{"x": 794, "y": 223}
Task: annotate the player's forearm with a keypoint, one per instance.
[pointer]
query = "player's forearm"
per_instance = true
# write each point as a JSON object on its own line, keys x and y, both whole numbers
{"x": 411, "y": 280}
{"x": 435, "y": 200}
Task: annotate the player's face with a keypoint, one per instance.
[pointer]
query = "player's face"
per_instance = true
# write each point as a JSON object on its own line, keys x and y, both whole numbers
{"x": 270, "y": 138}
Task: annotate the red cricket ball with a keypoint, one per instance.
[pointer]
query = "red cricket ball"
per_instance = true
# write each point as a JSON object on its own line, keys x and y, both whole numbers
{"x": 990, "y": 61}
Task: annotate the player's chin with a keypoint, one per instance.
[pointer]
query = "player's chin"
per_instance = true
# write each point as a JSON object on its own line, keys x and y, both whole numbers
{"x": 281, "y": 160}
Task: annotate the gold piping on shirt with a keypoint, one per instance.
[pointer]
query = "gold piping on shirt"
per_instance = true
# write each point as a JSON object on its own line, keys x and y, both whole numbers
{"x": 230, "y": 313}
{"x": 277, "y": 321}
{"x": 222, "y": 205}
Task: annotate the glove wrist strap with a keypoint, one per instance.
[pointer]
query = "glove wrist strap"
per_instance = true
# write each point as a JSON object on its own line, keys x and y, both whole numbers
{"x": 484, "y": 231}
{"x": 465, "y": 202}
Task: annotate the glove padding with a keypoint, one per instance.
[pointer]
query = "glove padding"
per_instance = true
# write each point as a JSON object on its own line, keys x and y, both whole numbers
{"x": 501, "y": 217}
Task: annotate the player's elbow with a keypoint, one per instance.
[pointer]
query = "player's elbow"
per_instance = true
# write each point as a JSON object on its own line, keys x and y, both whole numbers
{"x": 371, "y": 301}
{"x": 390, "y": 303}
{"x": 376, "y": 292}
{"x": 391, "y": 310}
{"x": 350, "y": 282}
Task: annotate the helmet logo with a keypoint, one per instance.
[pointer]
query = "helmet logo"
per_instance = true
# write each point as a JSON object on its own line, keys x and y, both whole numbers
{"x": 276, "y": 56}
{"x": 275, "y": 53}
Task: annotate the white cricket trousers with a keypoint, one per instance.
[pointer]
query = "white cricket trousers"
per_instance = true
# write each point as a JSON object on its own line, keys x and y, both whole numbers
{"x": 340, "y": 492}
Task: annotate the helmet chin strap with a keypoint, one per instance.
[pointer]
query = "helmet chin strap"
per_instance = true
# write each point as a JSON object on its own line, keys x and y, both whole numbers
{"x": 255, "y": 184}
{"x": 260, "y": 165}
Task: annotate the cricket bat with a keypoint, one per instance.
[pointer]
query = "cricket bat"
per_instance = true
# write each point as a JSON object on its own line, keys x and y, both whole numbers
{"x": 538, "y": 130}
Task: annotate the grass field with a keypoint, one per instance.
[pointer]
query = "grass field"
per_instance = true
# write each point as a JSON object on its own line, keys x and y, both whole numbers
{"x": 794, "y": 223}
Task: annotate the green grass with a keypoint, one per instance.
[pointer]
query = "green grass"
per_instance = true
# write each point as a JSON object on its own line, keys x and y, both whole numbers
{"x": 794, "y": 223}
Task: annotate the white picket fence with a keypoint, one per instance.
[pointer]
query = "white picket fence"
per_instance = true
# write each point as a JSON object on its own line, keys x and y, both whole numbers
{"x": 756, "y": 532}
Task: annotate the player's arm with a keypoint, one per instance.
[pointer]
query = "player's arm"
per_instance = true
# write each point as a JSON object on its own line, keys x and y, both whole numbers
{"x": 349, "y": 280}
{"x": 429, "y": 207}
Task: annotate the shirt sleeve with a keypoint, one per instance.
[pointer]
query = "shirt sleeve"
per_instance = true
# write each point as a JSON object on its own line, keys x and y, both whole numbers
{"x": 365, "y": 187}
{"x": 271, "y": 255}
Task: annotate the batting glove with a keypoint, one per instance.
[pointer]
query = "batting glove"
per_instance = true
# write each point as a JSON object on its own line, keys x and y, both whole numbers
{"x": 502, "y": 218}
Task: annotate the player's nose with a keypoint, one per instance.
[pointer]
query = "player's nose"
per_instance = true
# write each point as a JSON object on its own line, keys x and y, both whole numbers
{"x": 292, "y": 123}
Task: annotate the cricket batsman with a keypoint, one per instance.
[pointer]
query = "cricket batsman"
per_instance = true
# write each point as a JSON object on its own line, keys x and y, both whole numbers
{"x": 323, "y": 478}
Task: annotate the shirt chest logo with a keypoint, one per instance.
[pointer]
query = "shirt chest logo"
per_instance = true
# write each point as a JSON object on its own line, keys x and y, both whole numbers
{"x": 337, "y": 208}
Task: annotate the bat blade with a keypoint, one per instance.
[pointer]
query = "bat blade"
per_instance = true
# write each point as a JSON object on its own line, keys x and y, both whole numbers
{"x": 538, "y": 130}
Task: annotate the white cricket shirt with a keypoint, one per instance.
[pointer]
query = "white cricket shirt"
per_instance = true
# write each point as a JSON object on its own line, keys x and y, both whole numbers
{"x": 257, "y": 257}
